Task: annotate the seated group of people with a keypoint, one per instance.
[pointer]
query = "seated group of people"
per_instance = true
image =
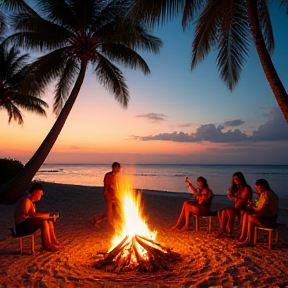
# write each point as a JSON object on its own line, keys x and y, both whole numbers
{"x": 262, "y": 212}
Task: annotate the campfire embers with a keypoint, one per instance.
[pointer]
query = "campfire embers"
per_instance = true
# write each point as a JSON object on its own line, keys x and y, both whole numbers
{"x": 138, "y": 253}
{"x": 136, "y": 247}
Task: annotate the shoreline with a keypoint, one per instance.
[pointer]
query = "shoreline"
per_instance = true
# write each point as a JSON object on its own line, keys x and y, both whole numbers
{"x": 218, "y": 198}
{"x": 205, "y": 260}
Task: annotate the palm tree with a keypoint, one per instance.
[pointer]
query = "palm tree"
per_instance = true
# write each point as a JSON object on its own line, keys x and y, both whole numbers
{"x": 225, "y": 25}
{"x": 76, "y": 34}
{"x": 13, "y": 69}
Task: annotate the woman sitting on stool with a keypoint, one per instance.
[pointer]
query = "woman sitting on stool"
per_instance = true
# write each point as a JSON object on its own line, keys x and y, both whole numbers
{"x": 202, "y": 204}
{"x": 241, "y": 193}
{"x": 263, "y": 214}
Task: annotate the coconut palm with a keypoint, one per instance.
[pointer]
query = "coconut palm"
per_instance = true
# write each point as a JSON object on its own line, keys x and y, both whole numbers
{"x": 227, "y": 26}
{"x": 13, "y": 69}
{"x": 74, "y": 34}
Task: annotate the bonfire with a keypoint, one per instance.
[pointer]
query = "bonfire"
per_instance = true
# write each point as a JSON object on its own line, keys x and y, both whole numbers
{"x": 134, "y": 246}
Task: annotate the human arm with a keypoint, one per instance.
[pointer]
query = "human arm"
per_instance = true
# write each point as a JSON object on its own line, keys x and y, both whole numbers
{"x": 232, "y": 196}
{"x": 106, "y": 183}
{"x": 192, "y": 188}
{"x": 262, "y": 202}
{"x": 243, "y": 198}
{"x": 25, "y": 209}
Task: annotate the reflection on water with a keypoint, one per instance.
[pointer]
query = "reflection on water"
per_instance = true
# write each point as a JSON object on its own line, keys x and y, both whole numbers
{"x": 168, "y": 177}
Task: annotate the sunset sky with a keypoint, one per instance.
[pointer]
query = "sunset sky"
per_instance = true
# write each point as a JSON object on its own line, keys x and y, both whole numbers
{"x": 174, "y": 115}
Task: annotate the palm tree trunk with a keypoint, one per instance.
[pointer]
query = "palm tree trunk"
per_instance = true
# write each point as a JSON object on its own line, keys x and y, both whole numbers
{"x": 268, "y": 67}
{"x": 11, "y": 191}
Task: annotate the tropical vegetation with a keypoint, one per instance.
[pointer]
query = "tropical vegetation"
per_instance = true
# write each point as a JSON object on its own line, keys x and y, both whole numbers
{"x": 227, "y": 26}
{"x": 73, "y": 34}
{"x": 9, "y": 168}
{"x": 13, "y": 99}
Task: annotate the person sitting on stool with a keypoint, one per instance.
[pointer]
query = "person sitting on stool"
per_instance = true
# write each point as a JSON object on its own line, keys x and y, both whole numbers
{"x": 28, "y": 221}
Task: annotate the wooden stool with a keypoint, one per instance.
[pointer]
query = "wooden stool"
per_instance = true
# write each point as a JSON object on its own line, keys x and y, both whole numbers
{"x": 270, "y": 232}
{"x": 202, "y": 217}
{"x": 21, "y": 238}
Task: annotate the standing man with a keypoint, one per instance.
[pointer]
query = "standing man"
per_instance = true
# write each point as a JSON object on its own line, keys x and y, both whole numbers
{"x": 111, "y": 194}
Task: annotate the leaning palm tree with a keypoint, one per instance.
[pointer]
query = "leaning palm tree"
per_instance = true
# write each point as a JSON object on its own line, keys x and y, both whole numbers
{"x": 13, "y": 69}
{"x": 75, "y": 34}
{"x": 227, "y": 26}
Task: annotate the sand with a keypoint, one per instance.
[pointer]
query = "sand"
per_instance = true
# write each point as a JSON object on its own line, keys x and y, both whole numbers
{"x": 205, "y": 260}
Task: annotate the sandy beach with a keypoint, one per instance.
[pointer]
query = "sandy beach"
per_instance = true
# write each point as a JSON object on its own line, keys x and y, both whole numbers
{"x": 205, "y": 260}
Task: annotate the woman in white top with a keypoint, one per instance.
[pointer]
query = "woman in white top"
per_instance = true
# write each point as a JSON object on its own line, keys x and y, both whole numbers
{"x": 263, "y": 213}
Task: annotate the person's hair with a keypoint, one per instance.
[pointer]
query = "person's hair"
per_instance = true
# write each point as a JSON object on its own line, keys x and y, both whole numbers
{"x": 240, "y": 175}
{"x": 203, "y": 181}
{"x": 35, "y": 186}
{"x": 115, "y": 164}
{"x": 263, "y": 183}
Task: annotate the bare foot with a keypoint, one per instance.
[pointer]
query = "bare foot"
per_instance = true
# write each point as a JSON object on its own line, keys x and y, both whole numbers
{"x": 244, "y": 243}
{"x": 219, "y": 233}
{"x": 185, "y": 228}
{"x": 52, "y": 249}
{"x": 175, "y": 226}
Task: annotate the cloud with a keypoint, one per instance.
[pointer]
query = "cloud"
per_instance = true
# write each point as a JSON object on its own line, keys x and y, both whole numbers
{"x": 233, "y": 123}
{"x": 186, "y": 125}
{"x": 154, "y": 117}
{"x": 74, "y": 147}
{"x": 275, "y": 129}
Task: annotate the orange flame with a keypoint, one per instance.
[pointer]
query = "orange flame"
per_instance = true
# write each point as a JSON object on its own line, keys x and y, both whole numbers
{"x": 133, "y": 222}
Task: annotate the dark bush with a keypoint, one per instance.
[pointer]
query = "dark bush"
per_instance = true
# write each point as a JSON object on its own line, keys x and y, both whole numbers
{"x": 8, "y": 169}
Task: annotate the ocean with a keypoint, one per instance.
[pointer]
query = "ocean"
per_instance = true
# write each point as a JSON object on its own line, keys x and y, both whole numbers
{"x": 168, "y": 178}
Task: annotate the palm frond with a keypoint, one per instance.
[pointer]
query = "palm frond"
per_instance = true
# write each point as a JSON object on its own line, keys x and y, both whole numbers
{"x": 19, "y": 5}
{"x": 265, "y": 22}
{"x": 60, "y": 13}
{"x": 103, "y": 16}
{"x": 206, "y": 32}
{"x": 14, "y": 113}
{"x": 85, "y": 11}
{"x": 191, "y": 7}
{"x": 129, "y": 33}
{"x": 30, "y": 103}
{"x": 3, "y": 24}
{"x": 155, "y": 12}
{"x": 31, "y": 34}
{"x": 64, "y": 84}
{"x": 284, "y": 3}
{"x": 112, "y": 79}
{"x": 233, "y": 43}
{"x": 43, "y": 70}
{"x": 125, "y": 56}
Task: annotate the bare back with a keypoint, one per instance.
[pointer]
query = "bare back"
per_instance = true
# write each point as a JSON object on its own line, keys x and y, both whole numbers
{"x": 24, "y": 209}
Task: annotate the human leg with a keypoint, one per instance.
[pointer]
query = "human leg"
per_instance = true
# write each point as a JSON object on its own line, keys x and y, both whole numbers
{"x": 47, "y": 243}
{"x": 252, "y": 221}
{"x": 189, "y": 207}
{"x": 53, "y": 238}
{"x": 244, "y": 227}
{"x": 223, "y": 221}
{"x": 181, "y": 216}
{"x": 109, "y": 208}
{"x": 232, "y": 214}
